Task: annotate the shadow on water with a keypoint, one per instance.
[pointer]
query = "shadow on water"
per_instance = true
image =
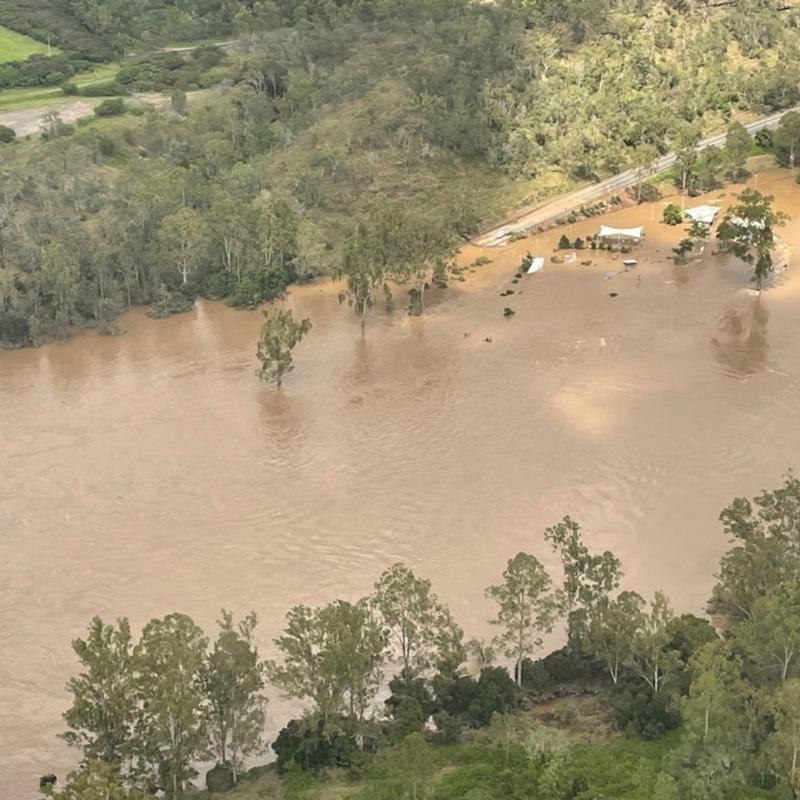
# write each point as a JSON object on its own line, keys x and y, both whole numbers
{"x": 742, "y": 347}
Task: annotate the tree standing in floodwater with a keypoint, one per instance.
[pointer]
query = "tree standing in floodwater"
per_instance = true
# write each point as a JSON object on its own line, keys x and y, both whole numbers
{"x": 747, "y": 231}
{"x": 280, "y": 334}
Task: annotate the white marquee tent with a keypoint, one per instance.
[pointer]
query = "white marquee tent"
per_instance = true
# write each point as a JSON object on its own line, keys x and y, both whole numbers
{"x": 607, "y": 232}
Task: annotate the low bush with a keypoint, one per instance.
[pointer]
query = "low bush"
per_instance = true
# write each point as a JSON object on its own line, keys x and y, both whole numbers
{"x": 112, "y": 107}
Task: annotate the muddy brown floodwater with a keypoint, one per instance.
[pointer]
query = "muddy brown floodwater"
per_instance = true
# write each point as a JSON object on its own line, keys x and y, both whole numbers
{"x": 150, "y": 472}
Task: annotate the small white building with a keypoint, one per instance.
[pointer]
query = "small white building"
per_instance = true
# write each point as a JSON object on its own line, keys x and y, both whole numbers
{"x": 705, "y": 215}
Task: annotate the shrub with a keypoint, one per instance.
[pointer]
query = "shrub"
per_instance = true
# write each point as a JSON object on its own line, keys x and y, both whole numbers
{"x": 7, "y": 134}
{"x": 564, "y": 243}
{"x": 104, "y": 89}
{"x": 673, "y": 214}
{"x": 448, "y": 728}
{"x": 307, "y": 744}
{"x": 641, "y": 713}
{"x": 495, "y": 692}
{"x": 403, "y": 688}
{"x": 454, "y": 693}
{"x": 220, "y": 779}
{"x": 408, "y": 719}
{"x": 168, "y": 303}
{"x": 110, "y": 108}
{"x": 764, "y": 139}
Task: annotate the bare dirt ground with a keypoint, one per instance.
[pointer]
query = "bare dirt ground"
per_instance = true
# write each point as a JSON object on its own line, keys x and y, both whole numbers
{"x": 25, "y": 121}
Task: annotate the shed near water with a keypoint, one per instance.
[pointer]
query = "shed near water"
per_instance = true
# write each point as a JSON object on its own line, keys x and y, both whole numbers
{"x": 705, "y": 215}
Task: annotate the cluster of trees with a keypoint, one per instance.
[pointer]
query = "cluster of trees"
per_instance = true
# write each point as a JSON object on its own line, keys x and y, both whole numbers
{"x": 143, "y": 714}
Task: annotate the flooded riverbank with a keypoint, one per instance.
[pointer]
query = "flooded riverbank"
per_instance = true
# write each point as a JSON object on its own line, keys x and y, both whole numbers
{"x": 150, "y": 472}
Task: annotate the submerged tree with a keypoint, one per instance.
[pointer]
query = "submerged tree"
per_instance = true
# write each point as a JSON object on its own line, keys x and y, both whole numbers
{"x": 527, "y": 608}
{"x": 748, "y": 231}
{"x": 280, "y": 334}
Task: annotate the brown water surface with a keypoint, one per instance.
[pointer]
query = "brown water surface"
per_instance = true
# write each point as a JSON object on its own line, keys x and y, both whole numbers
{"x": 150, "y": 472}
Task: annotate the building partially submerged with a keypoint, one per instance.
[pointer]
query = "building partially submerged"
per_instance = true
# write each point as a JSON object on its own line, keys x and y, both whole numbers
{"x": 705, "y": 215}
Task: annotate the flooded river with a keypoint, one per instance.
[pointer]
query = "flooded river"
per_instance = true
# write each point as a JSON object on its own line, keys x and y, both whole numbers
{"x": 150, "y": 472}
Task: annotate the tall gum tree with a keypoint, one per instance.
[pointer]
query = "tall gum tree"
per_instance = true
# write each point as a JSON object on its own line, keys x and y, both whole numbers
{"x": 527, "y": 609}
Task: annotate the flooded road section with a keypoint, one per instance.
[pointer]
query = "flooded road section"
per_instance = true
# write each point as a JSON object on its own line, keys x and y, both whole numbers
{"x": 150, "y": 472}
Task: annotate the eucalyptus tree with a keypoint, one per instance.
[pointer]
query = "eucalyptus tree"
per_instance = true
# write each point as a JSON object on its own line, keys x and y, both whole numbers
{"x": 183, "y": 236}
{"x": 588, "y": 578}
{"x": 233, "y": 682}
{"x": 771, "y": 639}
{"x": 333, "y": 656}
{"x": 171, "y": 731}
{"x": 765, "y": 534}
{"x": 527, "y": 608}
{"x": 650, "y": 657}
{"x": 280, "y": 334}
{"x": 103, "y": 711}
{"x": 738, "y": 144}
{"x": 783, "y": 746}
{"x": 613, "y": 626}
{"x": 421, "y": 630}
{"x": 748, "y": 231}
{"x": 787, "y": 137}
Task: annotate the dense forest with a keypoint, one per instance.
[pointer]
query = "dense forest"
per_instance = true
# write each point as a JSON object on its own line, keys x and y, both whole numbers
{"x": 361, "y": 139}
{"x": 677, "y": 708}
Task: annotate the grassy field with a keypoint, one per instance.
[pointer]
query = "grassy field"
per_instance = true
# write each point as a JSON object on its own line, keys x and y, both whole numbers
{"x": 16, "y": 47}
{"x": 42, "y": 95}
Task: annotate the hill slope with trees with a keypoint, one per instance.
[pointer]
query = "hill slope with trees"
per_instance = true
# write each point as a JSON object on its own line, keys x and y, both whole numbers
{"x": 396, "y": 128}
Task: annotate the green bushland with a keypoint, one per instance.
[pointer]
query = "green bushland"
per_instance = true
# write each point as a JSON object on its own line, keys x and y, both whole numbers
{"x": 345, "y": 119}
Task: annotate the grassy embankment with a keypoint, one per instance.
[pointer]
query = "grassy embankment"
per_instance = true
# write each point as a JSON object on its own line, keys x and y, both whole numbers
{"x": 482, "y": 767}
{"x": 17, "y": 47}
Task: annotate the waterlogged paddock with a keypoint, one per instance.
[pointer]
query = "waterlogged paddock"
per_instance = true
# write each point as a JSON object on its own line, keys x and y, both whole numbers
{"x": 150, "y": 472}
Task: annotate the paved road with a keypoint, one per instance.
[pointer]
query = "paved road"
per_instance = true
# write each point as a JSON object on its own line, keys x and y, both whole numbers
{"x": 591, "y": 194}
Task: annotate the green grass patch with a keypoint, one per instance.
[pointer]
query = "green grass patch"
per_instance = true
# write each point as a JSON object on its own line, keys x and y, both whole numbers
{"x": 31, "y": 96}
{"x": 669, "y": 174}
{"x": 17, "y": 47}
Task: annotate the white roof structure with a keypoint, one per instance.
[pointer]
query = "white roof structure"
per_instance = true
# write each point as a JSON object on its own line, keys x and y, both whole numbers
{"x": 536, "y": 265}
{"x": 607, "y": 232}
{"x": 705, "y": 215}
